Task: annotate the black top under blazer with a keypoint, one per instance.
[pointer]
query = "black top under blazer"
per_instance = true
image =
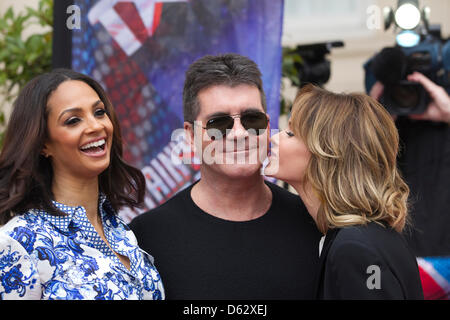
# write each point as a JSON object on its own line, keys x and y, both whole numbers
{"x": 367, "y": 262}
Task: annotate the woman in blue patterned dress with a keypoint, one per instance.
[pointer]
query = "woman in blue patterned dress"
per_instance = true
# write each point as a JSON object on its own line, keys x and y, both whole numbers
{"x": 62, "y": 180}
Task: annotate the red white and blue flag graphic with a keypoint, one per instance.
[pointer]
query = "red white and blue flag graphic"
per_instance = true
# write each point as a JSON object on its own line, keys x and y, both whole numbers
{"x": 139, "y": 51}
{"x": 435, "y": 276}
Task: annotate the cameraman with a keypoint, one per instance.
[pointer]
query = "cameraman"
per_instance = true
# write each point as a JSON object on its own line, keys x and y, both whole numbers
{"x": 425, "y": 164}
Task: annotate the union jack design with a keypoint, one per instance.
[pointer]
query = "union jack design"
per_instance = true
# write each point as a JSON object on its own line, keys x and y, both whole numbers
{"x": 130, "y": 23}
{"x": 435, "y": 277}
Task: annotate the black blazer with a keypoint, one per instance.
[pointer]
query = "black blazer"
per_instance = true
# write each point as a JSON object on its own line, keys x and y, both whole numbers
{"x": 367, "y": 262}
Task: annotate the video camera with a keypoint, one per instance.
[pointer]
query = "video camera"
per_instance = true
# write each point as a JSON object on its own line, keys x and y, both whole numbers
{"x": 315, "y": 68}
{"x": 426, "y": 52}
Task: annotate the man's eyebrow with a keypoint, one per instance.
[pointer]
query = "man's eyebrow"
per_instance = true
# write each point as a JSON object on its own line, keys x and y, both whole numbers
{"x": 217, "y": 114}
{"x": 253, "y": 109}
{"x": 96, "y": 103}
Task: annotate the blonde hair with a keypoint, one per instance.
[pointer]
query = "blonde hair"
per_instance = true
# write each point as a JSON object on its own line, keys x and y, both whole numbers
{"x": 352, "y": 170}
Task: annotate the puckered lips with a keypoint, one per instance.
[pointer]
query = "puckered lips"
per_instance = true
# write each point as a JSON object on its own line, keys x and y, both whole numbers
{"x": 95, "y": 148}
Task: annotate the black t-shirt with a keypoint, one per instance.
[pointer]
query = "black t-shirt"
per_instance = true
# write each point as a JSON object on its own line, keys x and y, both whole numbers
{"x": 425, "y": 164}
{"x": 200, "y": 256}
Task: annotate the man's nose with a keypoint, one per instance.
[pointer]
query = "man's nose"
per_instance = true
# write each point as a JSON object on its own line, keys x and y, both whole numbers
{"x": 238, "y": 131}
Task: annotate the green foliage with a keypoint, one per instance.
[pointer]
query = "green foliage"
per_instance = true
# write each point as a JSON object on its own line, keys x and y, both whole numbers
{"x": 290, "y": 64}
{"x": 21, "y": 59}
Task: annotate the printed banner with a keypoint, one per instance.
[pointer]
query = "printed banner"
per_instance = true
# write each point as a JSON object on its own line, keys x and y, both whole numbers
{"x": 139, "y": 51}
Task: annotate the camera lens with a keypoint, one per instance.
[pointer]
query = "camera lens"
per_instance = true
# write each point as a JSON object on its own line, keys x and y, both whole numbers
{"x": 406, "y": 97}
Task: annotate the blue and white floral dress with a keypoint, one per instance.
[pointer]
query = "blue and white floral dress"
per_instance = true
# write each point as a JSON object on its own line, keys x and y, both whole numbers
{"x": 43, "y": 256}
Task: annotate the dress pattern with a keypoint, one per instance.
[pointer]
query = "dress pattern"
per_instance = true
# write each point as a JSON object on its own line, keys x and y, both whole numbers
{"x": 43, "y": 256}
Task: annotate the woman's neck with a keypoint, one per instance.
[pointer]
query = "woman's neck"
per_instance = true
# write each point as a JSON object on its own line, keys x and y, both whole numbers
{"x": 312, "y": 203}
{"x": 77, "y": 192}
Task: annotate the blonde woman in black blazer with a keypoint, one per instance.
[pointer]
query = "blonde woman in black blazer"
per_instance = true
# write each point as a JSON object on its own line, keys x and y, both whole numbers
{"x": 339, "y": 153}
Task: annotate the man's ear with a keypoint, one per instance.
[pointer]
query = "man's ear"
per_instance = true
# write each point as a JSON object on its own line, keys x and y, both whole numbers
{"x": 268, "y": 135}
{"x": 189, "y": 132}
{"x": 194, "y": 141}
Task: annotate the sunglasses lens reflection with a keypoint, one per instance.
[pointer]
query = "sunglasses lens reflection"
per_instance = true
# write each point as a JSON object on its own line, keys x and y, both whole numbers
{"x": 255, "y": 122}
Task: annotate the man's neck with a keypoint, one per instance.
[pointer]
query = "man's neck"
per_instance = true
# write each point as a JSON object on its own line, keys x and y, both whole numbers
{"x": 308, "y": 197}
{"x": 234, "y": 199}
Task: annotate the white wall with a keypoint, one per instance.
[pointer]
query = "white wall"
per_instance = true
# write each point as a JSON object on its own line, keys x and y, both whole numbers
{"x": 19, "y": 6}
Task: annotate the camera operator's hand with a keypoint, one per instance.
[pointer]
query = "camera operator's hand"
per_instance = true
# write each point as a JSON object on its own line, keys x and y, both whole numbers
{"x": 439, "y": 108}
{"x": 376, "y": 91}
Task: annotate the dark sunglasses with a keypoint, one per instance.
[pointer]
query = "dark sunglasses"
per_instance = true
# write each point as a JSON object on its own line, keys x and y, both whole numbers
{"x": 254, "y": 121}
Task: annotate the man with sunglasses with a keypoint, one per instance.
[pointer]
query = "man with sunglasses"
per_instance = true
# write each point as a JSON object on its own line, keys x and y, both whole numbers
{"x": 230, "y": 235}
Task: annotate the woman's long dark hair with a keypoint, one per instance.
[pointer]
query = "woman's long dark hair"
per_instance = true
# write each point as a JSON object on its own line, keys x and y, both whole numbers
{"x": 26, "y": 176}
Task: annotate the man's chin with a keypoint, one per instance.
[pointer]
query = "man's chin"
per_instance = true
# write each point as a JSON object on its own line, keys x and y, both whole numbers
{"x": 271, "y": 171}
{"x": 238, "y": 171}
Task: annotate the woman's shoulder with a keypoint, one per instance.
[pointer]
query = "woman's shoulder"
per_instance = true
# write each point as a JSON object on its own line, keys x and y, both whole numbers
{"x": 30, "y": 219}
{"x": 372, "y": 239}
{"x": 353, "y": 245}
{"x": 367, "y": 233}
{"x": 23, "y": 229}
